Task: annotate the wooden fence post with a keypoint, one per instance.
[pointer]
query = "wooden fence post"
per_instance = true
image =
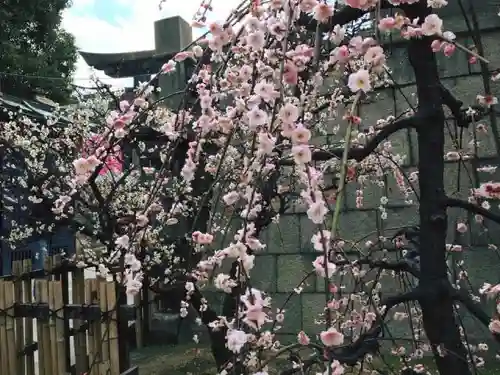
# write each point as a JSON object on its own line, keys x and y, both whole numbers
{"x": 94, "y": 332}
{"x": 10, "y": 326}
{"x": 44, "y": 301}
{"x": 28, "y": 331}
{"x": 60, "y": 331}
{"x": 81, "y": 359}
{"x": 104, "y": 338}
{"x": 17, "y": 270}
{"x": 42, "y": 329}
{"x": 52, "y": 328}
{"x": 114, "y": 353}
{"x": 4, "y": 352}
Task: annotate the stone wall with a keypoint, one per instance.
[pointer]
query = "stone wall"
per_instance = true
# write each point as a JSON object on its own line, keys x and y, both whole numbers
{"x": 289, "y": 254}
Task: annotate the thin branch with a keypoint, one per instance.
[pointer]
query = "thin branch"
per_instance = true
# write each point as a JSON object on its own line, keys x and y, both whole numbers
{"x": 399, "y": 266}
{"x": 361, "y": 153}
{"x": 367, "y": 342}
{"x": 460, "y": 113}
{"x": 344, "y": 16}
{"x": 474, "y": 308}
{"x": 454, "y": 202}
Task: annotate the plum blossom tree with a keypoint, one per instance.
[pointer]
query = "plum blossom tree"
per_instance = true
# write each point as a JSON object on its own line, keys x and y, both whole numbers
{"x": 231, "y": 152}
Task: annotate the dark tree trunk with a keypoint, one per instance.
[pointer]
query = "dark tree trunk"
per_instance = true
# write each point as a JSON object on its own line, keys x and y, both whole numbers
{"x": 436, "y": 301}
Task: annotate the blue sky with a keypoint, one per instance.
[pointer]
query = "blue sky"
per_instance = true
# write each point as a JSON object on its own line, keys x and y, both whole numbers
{"x": 110, "y": 26}
{"x": 110, "y": 11}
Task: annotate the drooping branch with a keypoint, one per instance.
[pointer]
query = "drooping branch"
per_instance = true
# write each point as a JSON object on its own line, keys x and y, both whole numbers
{"x": 221, "y": 353}
{"x": 399, "y": 266}
{"x": 207, "y": 315}
{"x": 342, "y": 17}
{"x": 474, "y": 308}
{"x": 367, "y": 342}
{"x": 460, "y": 113}
{"x": 361, "y": 153}
{"x": 475, "y": 209}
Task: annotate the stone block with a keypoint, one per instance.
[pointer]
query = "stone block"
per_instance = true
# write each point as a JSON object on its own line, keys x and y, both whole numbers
{"x": 345, "y": 281}
{"x": 263, "y": 275}
{"x": 486, "y": 146}
{"x": 292, "y": 305}
{"x": 356, "y": 224}
{"x": 292, "y": 269}
{"x": 485, "y": 234}
{"x": 307, "y": 230}
{"x": 378, "y": 105}
{"x": 313, "y": 305}
{"x": 455, "y": 216}
{"x": 465, "y": 88}
{"x": 397, "y": 60}
{"x": 491, "y": 48}
{"x": 398, "y": 218}
{"x": 458, "y": 179}
{"x": 286, "y": 339}
{"x": 406, "y": 99}
{"x": 481, "y": 264}
{"x": 284, "y": 237}
{"x": 371, "y": 195}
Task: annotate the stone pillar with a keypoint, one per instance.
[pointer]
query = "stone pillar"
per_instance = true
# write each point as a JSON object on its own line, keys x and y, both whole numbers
{"x": 172, "y": 35}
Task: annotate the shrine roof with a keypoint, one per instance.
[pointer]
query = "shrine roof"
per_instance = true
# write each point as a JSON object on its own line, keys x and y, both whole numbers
{"x": 127, "y": 64}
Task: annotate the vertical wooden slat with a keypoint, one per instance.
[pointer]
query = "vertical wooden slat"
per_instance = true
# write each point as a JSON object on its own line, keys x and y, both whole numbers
{"x": 67, "y": 299}
{"x": 52, "y": 328}
{"x": 94, "y": 332}
{"x": 81, "y": 359}
{"x": 114, "y": 352}
{"x": 4, "y": 352}
{"x": 90, "y": 331}
{"x": 104, "y": 343}
{"x": 44, "y": 293}
{"x": 17, "y": 270}
{"x": 40, "y": 331}
{"x": 10, "y": 326}
{"x": 44, "y": 345}
{"x": 28, "y": 331}
{"x": 60, "y": 336}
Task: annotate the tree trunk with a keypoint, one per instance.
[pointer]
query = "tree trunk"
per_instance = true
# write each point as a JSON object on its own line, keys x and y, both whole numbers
{"x": 437, "y": 303}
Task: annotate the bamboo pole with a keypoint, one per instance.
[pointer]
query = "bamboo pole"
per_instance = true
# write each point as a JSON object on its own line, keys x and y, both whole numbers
{"x": 29, "y": 329}
{"x": 60, "y": 336}
{"x": 4, "y": 351}
{"x": 52, "y": 329}
{"x": 104, "y": 343}
{"x": 81, "y": 359}
{"x": 17, "y": 270}
{"x": 10, "y": 326}
{"x": 114, "y": 353}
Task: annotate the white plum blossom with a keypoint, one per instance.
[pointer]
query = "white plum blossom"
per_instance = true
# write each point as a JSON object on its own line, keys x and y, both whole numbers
{"x": 236, "y": 339}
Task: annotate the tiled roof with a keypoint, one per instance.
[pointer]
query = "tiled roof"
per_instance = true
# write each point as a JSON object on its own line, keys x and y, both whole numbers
{"x": 38, "y": 108}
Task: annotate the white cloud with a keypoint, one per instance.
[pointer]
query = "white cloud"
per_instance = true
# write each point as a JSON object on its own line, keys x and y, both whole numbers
{"x": 94, "y": 34}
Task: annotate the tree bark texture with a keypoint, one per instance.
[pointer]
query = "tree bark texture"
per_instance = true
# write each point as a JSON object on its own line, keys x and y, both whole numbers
{"x": 436, "y": 301}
